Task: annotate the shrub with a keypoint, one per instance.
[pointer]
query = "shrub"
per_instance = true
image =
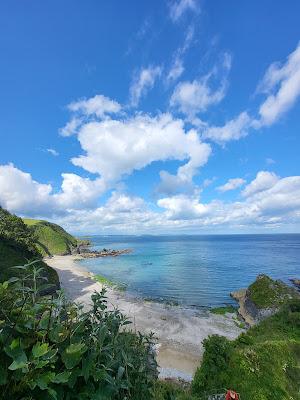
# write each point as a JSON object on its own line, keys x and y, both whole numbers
{"x": 52, "y": 349}
{"x": 213, "y": 371}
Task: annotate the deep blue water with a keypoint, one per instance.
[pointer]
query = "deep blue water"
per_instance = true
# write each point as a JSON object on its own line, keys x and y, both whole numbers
{"x": 196, "y": 270}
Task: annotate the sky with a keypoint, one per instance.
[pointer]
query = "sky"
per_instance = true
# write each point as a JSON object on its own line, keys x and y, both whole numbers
{"x": 151, "y": 117}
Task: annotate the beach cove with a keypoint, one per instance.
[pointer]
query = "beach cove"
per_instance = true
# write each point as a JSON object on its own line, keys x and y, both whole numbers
{"x": 179, "y": 330}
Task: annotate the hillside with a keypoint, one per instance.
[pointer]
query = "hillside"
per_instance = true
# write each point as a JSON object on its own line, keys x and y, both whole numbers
{"x": 17, "y": 247}
{"x": 263, "y": 298}
{"x": 51, "y": 238}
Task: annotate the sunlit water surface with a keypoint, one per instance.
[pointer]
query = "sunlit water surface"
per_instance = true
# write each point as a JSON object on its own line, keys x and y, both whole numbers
{"x": 195, "y": 270}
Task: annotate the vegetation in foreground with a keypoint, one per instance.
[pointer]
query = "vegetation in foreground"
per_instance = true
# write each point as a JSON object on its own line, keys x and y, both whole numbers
{"x": 51, "y": 349}
{"x": 263, "y": 363}
{"x": 51, "y": 238}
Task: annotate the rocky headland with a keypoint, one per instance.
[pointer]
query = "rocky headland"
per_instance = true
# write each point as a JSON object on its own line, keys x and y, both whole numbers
{"x": 263, "y": 298}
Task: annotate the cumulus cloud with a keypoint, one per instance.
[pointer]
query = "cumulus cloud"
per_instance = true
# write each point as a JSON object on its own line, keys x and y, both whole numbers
{"x": 192, "y": 97}
{"x": 182, "y": 207}
{"x": 98, "y": 105}
{"x": 268, "y": 201}
{"x": 143, "y": 82}
{"x": 19, "y": 192}
{"x": 114, "y": 148}
{"x": 282, "y": 84}
{"x": 179, "y": 7}
{"x": 275, "y": 203}
{"x": 232, "y": 130}
{"x": 232, "y": 184}
{"x": 263, "y": 181}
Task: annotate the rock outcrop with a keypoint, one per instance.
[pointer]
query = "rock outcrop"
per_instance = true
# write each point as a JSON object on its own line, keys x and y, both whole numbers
{"x": 263, "y": 298}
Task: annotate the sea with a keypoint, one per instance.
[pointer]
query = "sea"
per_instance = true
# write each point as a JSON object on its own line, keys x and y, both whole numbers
{"x": 195, "y": 271}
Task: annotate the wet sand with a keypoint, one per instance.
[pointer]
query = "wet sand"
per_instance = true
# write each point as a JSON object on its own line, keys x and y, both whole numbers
{"x": 180, "y": 331}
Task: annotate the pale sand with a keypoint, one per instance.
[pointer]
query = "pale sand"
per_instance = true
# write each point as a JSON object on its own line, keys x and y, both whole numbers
{"x": 180, "y": 331}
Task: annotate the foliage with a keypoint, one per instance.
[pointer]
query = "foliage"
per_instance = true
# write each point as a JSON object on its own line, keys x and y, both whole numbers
{"x": 14, "y": 231}
{"x": 267, "y": 293}
{"x": 263, "y": 363}
{"x": 51, "y": 238}
{"x": 213, "y": 372}
{"x": 223, "y": 310}
{"x": 52, "y": 349}
{"x": 18, "y": 246}
{"x": 172, "y": 390}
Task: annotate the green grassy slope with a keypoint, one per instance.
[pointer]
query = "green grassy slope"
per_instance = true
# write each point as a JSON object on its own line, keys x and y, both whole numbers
{"x": 51, "y": 238}
{"x": 17, "y": 247}
{"x": 265, "y": 292}
{"x": 263, "y": 363}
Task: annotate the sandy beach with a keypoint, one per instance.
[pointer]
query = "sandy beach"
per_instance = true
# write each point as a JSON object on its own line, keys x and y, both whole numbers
{"x": 180, "y": 331}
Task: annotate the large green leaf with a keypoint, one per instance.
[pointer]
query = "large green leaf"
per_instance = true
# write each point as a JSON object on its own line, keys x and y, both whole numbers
{"x": 19, "y": 362}
{"x": 72, "y": 354}
{"x": 63, "y": 377}
{"x": 40, "y": 349}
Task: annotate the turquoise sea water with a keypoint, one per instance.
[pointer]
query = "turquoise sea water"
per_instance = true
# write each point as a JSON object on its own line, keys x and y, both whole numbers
{"x": 196, "y": 270}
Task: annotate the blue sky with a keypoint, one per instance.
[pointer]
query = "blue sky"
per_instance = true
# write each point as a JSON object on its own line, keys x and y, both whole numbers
{"x": 151, "y": 117}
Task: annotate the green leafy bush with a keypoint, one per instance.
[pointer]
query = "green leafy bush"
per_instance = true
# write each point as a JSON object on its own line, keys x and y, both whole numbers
{"x": 213, "y": 371}
{"x": 53, "y": 349}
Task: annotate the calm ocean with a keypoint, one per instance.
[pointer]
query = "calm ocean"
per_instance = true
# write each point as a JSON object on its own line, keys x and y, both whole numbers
{"x": 196, "y": 270}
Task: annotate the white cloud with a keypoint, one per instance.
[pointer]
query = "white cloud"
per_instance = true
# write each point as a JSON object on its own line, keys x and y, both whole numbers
{"x": 277, "y": 204}
{"x": 53, "y": 152}
{"x": 98, "y": 105}
{"x": 176, "y": 70}
{"x": 20, "y": 193}
{"x": 232, "y": 184}
{"x": 282, "y": 84}
{"x": 143, "y": 82}
{"x": 263, "y": 181}
{"x": 232, "y": 130}
{"x": 177, "y": 67}
{"x": 117, "y": 147}
{"x": 77, "y": 192}
{"x": 183, "y": 207}
{"x": 71, "y": 127}
{"x": 269, "y": 201}
{"x": 194, "y": 97}
{"x": 179, "y": 7}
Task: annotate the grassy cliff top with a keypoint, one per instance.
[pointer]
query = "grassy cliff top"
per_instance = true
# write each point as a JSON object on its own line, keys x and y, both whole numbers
{"x": 51, "y": 238}
{"x": 263, "y": 363}
{"x": 268, "y": 293}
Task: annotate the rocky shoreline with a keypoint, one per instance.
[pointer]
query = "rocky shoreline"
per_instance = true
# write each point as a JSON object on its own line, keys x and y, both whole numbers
{"x": 103, "y": 253}
{"x": 83, "y": 248}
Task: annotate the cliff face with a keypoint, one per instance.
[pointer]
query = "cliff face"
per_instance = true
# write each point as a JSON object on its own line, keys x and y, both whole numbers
{"x": 263, "y": 298}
